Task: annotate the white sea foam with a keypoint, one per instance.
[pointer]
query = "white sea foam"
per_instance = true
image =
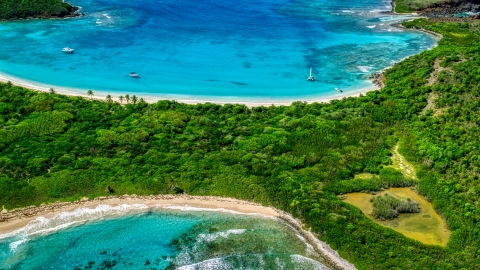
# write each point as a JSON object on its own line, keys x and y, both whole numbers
{"x": 365, "y": 68}
{"x": 347, "y": 11}
{"x": 309, "y": 248}
{"x": 280, "y": 264}
{"x": 189, "y": 255}
{"x": 13, "y": 246}
{"x": 43, "y": 225}
{"x": 302, "y": 262}
{"x": 212, "y": 264}
{"x": 371, "y": 26}
{"x": 261, "y": 261}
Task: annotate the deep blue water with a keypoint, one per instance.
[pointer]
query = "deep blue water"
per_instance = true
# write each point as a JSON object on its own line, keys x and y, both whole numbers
{"x": 210, "y": 50}
{"x": 123, "y": 238}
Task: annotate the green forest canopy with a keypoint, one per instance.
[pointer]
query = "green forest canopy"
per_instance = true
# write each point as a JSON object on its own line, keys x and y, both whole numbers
{"x": 407, "y": 6}
{"x": 297, "y": 158}
{"x": 21, "y": 9}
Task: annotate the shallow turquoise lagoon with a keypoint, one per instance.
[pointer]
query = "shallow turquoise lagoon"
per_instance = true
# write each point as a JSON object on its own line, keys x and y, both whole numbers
{"x": 211, "y": 50}
{"x": 127, "y": 237}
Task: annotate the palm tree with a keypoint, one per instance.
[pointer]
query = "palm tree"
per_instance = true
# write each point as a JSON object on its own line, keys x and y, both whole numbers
{"x": 121, "y": 99}
{"x": 109, "y": 98}
{"x": 142, "y": 100}
{"x": 90, "y": 93}
{"x": 127, "y": 97}
{"x": 51, "y": 91}
{"x": 134, "y": 99}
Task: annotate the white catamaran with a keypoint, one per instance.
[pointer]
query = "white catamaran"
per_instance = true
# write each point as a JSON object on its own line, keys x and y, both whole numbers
{"x": 311, "y": 78}
{"x": 68, "y": 49}
{"x": 134, "y": 74}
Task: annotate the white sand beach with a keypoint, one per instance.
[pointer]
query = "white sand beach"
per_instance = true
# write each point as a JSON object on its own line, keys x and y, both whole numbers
{"x": 16, "y": 219}
{"x": 101, "y": 95}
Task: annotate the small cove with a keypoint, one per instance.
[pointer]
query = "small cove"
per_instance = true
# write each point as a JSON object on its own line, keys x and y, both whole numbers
{"x": 137, "y": 237}
{"x": 204, "y": 50}
{"x": 427, "y": 226}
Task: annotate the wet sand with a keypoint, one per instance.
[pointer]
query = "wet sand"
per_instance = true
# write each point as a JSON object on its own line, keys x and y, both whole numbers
{"x": 24, "y": 216}
{"x": 101, "y": 95}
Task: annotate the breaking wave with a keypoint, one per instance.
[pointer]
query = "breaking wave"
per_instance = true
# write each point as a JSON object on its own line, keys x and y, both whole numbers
{"x": 43, "y": 225}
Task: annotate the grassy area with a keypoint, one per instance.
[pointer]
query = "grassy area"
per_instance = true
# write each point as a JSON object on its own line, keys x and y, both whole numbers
{"x": 408, "y": 6}
{"x": 425, "y": 226}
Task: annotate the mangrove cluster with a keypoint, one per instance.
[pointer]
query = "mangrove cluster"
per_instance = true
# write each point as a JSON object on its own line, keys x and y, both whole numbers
{"x": 389, "y": 207}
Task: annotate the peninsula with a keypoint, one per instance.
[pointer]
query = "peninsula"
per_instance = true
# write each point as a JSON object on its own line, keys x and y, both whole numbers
{"x": 14, "y": 9}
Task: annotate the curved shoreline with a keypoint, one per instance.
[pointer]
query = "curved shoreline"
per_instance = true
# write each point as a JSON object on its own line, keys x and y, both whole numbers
{"x": 16, "y": 219}
{"x": 193, "y": 100}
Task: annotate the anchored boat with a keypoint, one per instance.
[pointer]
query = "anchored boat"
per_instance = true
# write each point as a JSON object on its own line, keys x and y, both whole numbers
{"x": 134, "y": 74}
{"x": 68, "y": 49}
{"x": 311, "y": 78}
{"x": 338, "y": 90}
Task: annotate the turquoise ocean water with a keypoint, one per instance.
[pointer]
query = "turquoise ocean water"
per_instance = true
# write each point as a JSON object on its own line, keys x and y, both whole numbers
{"x": 134, "y": 237}
{"x": 210, "y": 50}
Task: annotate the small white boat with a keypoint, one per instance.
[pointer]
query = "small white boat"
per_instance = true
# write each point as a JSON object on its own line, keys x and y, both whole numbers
{"x": 338, "y": 90}
{"x": 311, "y": 78}
{"x": 134, "y": 74}
{"x": 68, "y": 50}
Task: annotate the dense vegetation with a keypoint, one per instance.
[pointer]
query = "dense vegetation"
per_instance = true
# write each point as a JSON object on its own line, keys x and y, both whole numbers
{"x": 16, "y": 9}
{"x": 297, "y": 158}
{"x": 407, "y": 6}
{"x": 389, "y": 207}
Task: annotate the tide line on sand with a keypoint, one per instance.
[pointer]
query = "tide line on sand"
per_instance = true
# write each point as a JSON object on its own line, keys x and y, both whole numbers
{"x": 149, "y": 98}
{"x": 24, "y": 221}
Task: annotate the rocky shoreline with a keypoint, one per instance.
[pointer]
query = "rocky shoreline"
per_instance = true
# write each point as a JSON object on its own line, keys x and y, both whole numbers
{"x": 439, "y": 12}
{"x": 450, "y": 10}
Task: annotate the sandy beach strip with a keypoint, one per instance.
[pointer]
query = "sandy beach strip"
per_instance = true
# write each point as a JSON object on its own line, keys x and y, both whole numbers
{"x": 149, "y": 98}
{"x": 16, "y": 219}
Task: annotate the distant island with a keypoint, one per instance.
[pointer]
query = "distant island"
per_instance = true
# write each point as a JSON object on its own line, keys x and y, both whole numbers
{"x": 14, "y": 9}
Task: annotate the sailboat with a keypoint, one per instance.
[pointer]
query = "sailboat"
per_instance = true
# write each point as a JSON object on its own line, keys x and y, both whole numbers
{"x": 68, "y": 49}
{"x": 311, "y": 78}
